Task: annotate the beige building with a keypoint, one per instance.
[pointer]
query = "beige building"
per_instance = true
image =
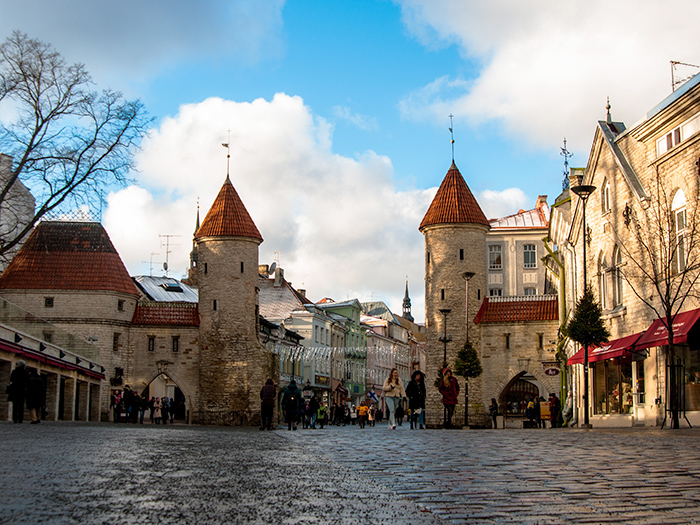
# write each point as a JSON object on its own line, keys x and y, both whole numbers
{"x": 642, "y": 246}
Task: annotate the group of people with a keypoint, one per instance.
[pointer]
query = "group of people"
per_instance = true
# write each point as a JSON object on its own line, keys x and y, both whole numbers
{"x": 26, "y": 387}
{"x": 130, "y": 407}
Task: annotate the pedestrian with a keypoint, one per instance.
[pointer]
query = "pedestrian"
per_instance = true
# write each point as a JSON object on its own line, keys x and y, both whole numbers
{"x": 313, "y": 409}
{"x": 371, "y": 414}
{"x": 362, "y": 414}
{"x": 394, "y": 392}
{"x": 268, "y": 394}
{"x": 449, "y": 388}
{"x": 151, "y": 408}
{"x": 346, "y": 415}
{"x": 157, "y": 414}
{"x": 538, "y": 412}
{"x": 353, "y": 414}
{"x": 291, "y": 402}
{"x": 415, "y": 391}
{"x": 36, "y": 396}
{"x": 306, "y": 415}
{"x": 171, "y": 413}
{"x": 554, "y": 410}
{"x": 493, "y": 411}
{"x": 143, "y": 404}
{"x": 17, "y": 390}
{"x": 530, "y": 411}
{"x": 321, "y": 416}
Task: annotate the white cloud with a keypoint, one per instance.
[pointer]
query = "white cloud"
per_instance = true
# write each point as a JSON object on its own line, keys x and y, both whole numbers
{"x": 545, "y": 69}
{"x": 496, "y": 204}
{"x": 363, "y": 122}
{"x": 340, "y": 224}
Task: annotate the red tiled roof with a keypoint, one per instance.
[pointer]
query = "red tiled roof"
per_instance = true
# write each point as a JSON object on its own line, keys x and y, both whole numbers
{"x": 181, "y": 314}
{"x": 453, "y": 203}
{"x": 67, "y": 256}
{"x": 228, "y": 217}
{"x": 520, "y": 308}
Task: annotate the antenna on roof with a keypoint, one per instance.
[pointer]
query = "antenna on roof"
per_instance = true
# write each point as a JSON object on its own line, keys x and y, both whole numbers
{"x": 167, "y": 249}
{"x": 566, "y": 154}
{"x": 228, "y": 152}
{"x": 150, "y": 270}
{"x": 674, "y": 82}
{"x": 452, "y": 137}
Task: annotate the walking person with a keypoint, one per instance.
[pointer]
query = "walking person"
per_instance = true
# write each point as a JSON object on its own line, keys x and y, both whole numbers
{"x": 371, "y": 414}
{"x": 362, "y": 413}
{"x": 17, "y": 390}
{"x": 493, "y": 412}
{"x": 394, "y": 392}
{"x": 400, "y": 412}
{"x": 157, "y": 406}
{"x": 36, "y": 396}
{"x": 554, "y": 410}
{"x": 322, "y": 414}
{"x": 415, "y": 391}
{"x": 165, "y": 409}
{"x": 449, "y": 388}
{"x": 268, "y": 394}
{"x": 291, "y": 402}
{"x": 538, "y": 411}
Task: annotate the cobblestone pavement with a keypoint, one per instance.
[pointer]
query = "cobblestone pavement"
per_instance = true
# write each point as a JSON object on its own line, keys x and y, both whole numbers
{"x": 107, "y": 473}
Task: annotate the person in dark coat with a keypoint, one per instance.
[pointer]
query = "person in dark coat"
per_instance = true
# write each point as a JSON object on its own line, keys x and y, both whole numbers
{"x": 554, "y": 410}
{"x": 19, "y": 379}
{"x": 493, "y": 412}
{"x": 415, "y": 391}
{"x": 268, "y": 394}
{"x": 291, "y": 402}
{"x": 449, "y": 388}
{"x": 36, "y": 396}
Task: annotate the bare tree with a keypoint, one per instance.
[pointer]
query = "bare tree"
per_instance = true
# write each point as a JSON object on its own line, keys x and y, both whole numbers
{"x": 67, "y": 142}
{"x": 662, "y": 265}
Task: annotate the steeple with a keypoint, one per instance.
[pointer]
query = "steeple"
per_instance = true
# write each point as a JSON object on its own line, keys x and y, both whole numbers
{"x": 407, "y": 305}
{"x": 228, "y": 217}
{"x": 453, "y": 203}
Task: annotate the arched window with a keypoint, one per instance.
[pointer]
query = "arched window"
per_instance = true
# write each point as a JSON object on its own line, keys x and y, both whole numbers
{"x": 603, "y": 276}
{"x": 605, "y": 197}
{"x": 617, "y": 277}
{"x": 679, "y": 224}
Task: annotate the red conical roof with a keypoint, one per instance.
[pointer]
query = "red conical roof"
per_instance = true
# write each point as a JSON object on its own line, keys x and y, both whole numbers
{"x": 228, "y": 217}
{"x": 453, "y": 203}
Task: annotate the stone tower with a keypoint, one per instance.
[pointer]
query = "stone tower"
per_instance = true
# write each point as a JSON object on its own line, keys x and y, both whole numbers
{"x": 233, "y": 364}
{"x": 455, "y": 232}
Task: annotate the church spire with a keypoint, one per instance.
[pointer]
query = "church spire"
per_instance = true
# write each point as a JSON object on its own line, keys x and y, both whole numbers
{"x": 407, "y": 305}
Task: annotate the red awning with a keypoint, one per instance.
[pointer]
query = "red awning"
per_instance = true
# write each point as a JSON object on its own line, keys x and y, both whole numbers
{"x": 657, "y": 334}
{"x": 617, "y": 348}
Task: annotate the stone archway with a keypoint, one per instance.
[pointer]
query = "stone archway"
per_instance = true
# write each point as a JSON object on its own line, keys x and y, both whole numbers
{"x": 163, "y": 384}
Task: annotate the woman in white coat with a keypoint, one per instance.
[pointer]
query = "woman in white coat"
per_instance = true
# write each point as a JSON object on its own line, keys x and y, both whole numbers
{"x": 393, "y": 394}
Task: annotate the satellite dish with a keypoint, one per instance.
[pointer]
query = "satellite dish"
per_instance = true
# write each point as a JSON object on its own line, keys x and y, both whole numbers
{"x": 165, "y": 266}
{"x": 272, "y": 269}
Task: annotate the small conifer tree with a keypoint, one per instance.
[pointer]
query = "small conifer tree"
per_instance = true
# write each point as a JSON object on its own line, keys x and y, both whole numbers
{"x": 586, "y": 325}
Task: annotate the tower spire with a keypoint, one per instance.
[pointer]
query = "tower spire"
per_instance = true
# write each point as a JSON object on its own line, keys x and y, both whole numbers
{"x": 608, "y": 117}
{"x": 407, "y": 305}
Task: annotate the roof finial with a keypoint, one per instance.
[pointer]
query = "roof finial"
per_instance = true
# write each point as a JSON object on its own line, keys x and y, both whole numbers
{"x": 452, "y": 137}
{"x": 228, "y": 153}
{"x": 608, "y": 118}
{"x": 566, "y": 154}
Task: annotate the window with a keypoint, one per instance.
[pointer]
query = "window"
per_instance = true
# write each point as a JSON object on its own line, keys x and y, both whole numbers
{"x": 677, "y": 135}
{"x": 461, "y": 254}
{"x": 176, "y": 343}
{"x": 540, "y": 341}
{"x": 206, "y": 267}
{"x": 442, "y": 294}
{"x": 48, "y": 336}
{"x": 507, "y": 336}
{"x": 530, "y": 291}
{"x": 529, "y": 256}
{"x": 214, "y": 305}
{"x": 603, "y": 276}
{"x": 495, "y": 260}
{"x": 242, "y": 267}
{"x": 617, "y": 277}
{"x": 115, "y": 341}
{"x": 48, "y": 302}
{"x": 612, "y": 387}
{"x": 679, "y": 222}
{"x": 495, "y": 292}
{"x": 151, "y": 343}
{"x": 120, "y": 305}
{"x": 427, "y": 255}
{"x": 605, "y": 197}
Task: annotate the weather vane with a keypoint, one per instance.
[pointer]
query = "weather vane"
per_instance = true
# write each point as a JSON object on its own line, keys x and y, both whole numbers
{"x": 566, "y": 154}
{"x": 228, "y": 152}
{"x": 452, "y": 137}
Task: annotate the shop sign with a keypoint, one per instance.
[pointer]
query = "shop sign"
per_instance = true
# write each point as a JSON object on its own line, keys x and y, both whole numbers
{"x": 551, "y": 368}
{"x": 322, "y": 380}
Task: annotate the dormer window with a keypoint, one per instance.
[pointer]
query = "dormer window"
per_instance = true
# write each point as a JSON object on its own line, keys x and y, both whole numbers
{"x": 171, "y": 287}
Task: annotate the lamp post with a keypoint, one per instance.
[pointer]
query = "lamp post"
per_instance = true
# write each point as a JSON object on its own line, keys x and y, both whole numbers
{"x": 467, "y": 277}
{"x": 584, "y": 191}
{"x": 444, "y": 340}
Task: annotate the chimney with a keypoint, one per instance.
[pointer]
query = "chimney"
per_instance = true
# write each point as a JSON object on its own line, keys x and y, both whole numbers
{"x": 541, "y": 201}
{"x": 576, "y": 177}
{"x": 279, "y": 276}
{"x": 302, "y": 292}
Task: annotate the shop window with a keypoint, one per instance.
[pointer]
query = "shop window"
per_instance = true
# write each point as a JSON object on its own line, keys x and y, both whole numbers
{"x": 612, "y": 387}
{"x": 691, "y": 359}
{"x": 495, "y": 257}
{"x": 529, "y": 256}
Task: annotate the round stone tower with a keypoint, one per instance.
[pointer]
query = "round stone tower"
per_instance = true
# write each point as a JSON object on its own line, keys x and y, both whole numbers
{"x": 233, "y": 363}
{"x": 455, "y": 232}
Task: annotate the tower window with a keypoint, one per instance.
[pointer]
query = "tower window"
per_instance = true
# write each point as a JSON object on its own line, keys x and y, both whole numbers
{"x": 214, "y": 305}
{"x": 442, "y": 294}
{"x": 507, "y": 336}
{"x": 115, "y": 341}
{"x": 48, "y": 302}
{"x": 151, "y": 343}
{"x": 120, "y": 305}
{"x": 176, "y": 343}
{"x": 540, "y": 341}
{"x": 461, "y": 254}
{"x": 206, "y": 267}
{"x": 427, "y": 256}
{"x": 242, "y": 266}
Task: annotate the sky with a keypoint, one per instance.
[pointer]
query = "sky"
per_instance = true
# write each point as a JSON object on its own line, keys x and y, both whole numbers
{"x": 337, "y": 115}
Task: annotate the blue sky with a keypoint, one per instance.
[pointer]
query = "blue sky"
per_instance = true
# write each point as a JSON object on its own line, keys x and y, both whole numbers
{"x": 338, "y": 112}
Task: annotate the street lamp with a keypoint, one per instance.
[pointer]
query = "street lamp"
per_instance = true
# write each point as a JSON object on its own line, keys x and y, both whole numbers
{"x": 467, "y": 277}
{"x": 444, "y": 339}
{"x": 584, "y": 191}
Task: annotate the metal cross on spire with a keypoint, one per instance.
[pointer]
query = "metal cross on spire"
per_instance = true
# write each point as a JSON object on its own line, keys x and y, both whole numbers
{"x": 566, "y": 154}
{"x": 452, "y": 137}
{"x": 228, "y": 152}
